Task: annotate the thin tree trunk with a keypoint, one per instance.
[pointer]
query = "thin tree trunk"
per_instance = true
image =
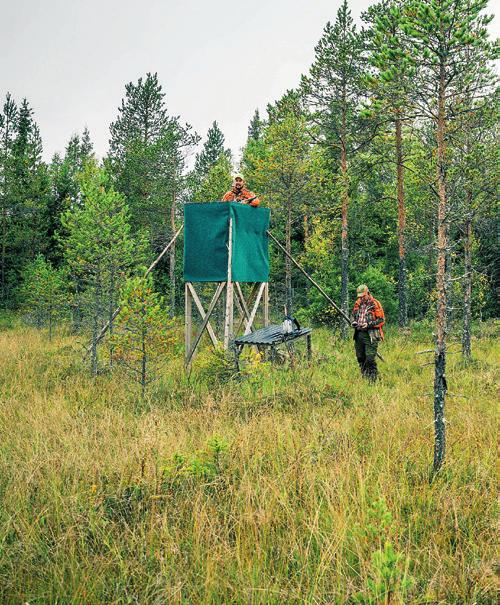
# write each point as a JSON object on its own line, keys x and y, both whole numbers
{"x": 50, "y": 323}
{"x": 172, "y": 257}
{"x": 344, "y": 300}
{"x": 143, "y": 353}
{"x": 95, "y": 324}
{"x": 288, "y": 264}
{"x": 77, "y": 311}
{"x": 440, "y": 386}
{"x": 111, "y": 311}
{"x": 466, "y": 342}
{"x": 4, "y": 254}
{"x": 402, "y": 287}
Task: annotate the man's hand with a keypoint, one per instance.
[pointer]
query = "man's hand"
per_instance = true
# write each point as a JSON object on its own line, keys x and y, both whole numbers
{"x": 363, "y": 326}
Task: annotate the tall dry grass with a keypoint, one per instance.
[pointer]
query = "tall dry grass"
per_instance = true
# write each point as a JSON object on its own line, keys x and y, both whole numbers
{"x": 308, "y": 486}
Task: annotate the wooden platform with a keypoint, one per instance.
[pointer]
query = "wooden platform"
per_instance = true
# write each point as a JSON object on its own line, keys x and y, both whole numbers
{"x": 272, "y": 337}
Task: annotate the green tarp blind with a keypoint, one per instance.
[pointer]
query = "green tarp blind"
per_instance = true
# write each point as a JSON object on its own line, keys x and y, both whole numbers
{"x": 206, "y": 232}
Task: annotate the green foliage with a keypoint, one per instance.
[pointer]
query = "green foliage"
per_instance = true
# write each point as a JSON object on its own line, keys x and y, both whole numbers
{"x": 148, "y": 149}
{"x": 381, "y": 288}
{"x": 142, "y": 337}
{"x": 44, "y": 292}
{"x": 216, "y": 183}
{"x": 203, "y": 465}
{"x": 389, "y": 571}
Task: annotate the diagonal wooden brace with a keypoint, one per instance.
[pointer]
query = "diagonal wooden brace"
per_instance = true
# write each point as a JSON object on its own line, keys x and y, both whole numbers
{"x": 215, "y": 298}
{"x": 199, "y": 306}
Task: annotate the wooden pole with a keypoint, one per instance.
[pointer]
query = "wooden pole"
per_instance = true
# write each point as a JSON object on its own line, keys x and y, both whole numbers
{"x": 266, "y": 305}
{"x": 314, "y": 283}
{"x": 229, "y": 318}
{"x": 148, "y": 271}
{"x": 199, "y": 306}
{"x": 188, "y": 321}
{"x": 190, "y": 354}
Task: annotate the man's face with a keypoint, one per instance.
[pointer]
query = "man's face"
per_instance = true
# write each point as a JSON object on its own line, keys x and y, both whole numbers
{"x": 364, "y": 295}
{"x": 238, "y": 183}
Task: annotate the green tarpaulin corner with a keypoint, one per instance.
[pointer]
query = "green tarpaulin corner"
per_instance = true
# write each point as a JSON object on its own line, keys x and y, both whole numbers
{"x": 206, "y": 231}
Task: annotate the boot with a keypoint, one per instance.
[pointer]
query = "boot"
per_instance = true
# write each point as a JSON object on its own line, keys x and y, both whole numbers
{"x": 371, "y": 370}
{"x": 362, "y": 367}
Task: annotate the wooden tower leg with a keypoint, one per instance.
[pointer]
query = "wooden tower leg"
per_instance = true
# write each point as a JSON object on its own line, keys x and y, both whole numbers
{"x": 229, "y": 315}
{"x": 188, "y": 327}
{"x": 266, "y": 305}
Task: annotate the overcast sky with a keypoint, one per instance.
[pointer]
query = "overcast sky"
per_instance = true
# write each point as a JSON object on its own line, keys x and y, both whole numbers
{"x": 216, "y": 60}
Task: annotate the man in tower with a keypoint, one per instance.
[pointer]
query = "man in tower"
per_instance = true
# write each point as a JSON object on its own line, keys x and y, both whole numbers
{"x": 239, "y": 193}
{"x": 367, "y": 320}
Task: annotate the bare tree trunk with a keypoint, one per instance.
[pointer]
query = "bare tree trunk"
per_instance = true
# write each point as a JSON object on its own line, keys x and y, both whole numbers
{"x": 467, "y": 286}
{"x": 172, "y": 257}
{"x": 143, "y": 353}
{"x": 4, "y": 255}
{"x": 77, "y": 311}
{"x": 440, "y": 386}
{"x": 111, "y": 311}
{"x": 95, "y": 324}
{"x": 344, "y": 300}
{"x": 402, "y": 287}
{"x": 288, "y": 264}
{"x": 50, "y": 323}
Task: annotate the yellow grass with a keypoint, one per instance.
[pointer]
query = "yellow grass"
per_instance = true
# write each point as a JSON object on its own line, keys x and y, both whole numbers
{"x": 314, "y": 473}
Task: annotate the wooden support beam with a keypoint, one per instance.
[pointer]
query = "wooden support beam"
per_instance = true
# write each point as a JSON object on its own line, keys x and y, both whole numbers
{"x": 229, "y": 317}
{"x": 215, "y": 298}
{"x": 266, "y": 305}
{"x": 188, "y": 321}
{"x": 248, "y": 303}
{"x": 241, "y": 302}
{"x": 306, "y": 274}
{"x": 201, "y": 310}
{"x": 116, "y": 312}
{"x": 250, "y": 321}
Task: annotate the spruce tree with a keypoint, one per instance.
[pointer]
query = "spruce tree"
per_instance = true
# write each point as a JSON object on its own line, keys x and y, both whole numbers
{"x": 26, "y": 194}
{"x": 256, "y": 127}
{"x": 217, "y": 181}
{"x": 213, "y": 148}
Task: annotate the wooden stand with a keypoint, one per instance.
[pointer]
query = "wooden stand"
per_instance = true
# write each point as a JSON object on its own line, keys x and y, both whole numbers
{"x": 247, "y": 310}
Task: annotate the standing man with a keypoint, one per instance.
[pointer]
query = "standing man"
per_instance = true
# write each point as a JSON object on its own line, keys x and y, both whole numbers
{"x": 367, "y": 320}
{"x": 239, "y": 193}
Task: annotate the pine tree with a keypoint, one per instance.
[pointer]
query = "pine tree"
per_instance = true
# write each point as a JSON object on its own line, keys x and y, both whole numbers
{"x": 147, "y": 154}
{"x": 217, "y": 181}
{"x": 99, "y": 247}
{"x": 448, "y": 43}
{"x": 333, "y": 91}
{"x": 256, "y": 127}
{"x": 213, "y": 148}
{"x": 143, "y": 335}
{"x": 283, "y": 171}
{"x": 43, "y": 292}
{"x": 391, "y": 89}
{"x": 8, "y": 126}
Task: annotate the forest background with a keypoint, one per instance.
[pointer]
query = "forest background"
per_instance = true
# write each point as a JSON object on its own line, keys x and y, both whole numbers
{"x": 379, "y": 167}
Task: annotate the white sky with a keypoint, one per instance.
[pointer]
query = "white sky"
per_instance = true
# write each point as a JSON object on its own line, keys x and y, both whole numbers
{"x": 216, "y": 60}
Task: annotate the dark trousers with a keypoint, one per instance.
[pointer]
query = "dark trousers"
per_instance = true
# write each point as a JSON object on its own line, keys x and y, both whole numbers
{"x": 366, "y": 354}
